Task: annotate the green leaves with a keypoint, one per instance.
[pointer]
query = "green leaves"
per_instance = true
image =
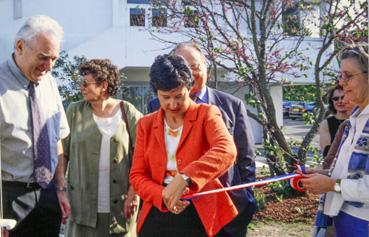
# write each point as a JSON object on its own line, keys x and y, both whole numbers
{"x": 251, "y": 99}
{"x": 299, "y": 92}
{"x": 309, "y": 118}
{"x": 66, "y": 72}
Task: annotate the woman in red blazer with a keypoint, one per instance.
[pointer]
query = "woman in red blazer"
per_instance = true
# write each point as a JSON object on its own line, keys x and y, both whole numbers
{"x": 182, "y": 148}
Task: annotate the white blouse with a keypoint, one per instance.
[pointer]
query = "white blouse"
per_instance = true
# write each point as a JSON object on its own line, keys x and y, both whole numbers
{"x": 172, "y": 138}
{"x": 107, "y": 127}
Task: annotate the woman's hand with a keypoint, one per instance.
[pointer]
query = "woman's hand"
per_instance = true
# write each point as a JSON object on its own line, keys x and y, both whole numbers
{"x": 4, "y": 232}
{"x": 173, "y": 192}
{"x": 180, "y": 206}
{"x": 317, "y": 183}
{"x": 131, "y": 203}
{"x": 313, "y": 170}
{"x": 64, "y": 205}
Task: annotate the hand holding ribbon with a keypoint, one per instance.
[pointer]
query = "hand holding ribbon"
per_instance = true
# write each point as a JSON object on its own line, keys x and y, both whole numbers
{"x": 247, "y": 185}
{"x": 318, "y": 183}
{"x": 173, "y": 192}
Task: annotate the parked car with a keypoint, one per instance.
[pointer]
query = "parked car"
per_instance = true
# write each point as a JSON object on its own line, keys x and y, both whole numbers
{"x": 286, "y": 106}
{"x": 297, "y": 109}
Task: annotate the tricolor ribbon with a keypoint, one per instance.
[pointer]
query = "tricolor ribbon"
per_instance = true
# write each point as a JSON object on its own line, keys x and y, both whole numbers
{"x": 294, "y": 182}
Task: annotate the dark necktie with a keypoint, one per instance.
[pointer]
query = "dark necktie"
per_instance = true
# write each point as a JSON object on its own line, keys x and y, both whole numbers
{"x": 194, "y": 97}
{"x": 41, "y": 145}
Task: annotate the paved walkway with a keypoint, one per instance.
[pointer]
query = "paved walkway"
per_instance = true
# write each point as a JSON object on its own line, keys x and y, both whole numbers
{"x": 294, "y": 130}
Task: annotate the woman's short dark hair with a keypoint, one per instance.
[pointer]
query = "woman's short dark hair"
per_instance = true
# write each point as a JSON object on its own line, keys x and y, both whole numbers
{"x": 102, "y": 70}
{"x": 330, "y": 93}
{"x": 169, "y": 72}
{"x": 358, "y": 52}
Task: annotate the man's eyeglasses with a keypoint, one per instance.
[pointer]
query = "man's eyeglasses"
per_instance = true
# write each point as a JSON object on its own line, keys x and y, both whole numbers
{"x": 337, "y": 98}
{"x": 84, "y": 83}
{"x": 348, "y": 78}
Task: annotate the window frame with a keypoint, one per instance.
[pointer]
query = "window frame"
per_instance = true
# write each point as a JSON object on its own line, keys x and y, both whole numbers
{"x": 142, "y": 13}
{"x": 158, "y": 13}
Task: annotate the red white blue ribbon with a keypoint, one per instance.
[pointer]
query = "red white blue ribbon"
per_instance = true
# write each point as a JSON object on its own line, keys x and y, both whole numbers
{"x": 294, "y": 181}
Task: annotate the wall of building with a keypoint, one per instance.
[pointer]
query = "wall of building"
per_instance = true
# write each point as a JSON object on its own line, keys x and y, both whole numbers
{"x": 277, "y": 96}
{"x": 81, "y": 20}
{"x": 137, "y": 74}
{"x": 101, "y": 29}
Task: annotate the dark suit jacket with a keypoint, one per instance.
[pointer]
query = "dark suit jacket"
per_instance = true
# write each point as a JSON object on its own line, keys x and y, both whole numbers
{"x": 243, "y": 171}
{"x": 153, "y": 105}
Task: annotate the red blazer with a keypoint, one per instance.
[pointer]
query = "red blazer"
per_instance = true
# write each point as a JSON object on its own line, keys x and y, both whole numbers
{"x": 205, "y": 151}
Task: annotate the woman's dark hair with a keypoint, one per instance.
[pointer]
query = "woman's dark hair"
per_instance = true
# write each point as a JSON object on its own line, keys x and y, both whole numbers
{"x": 169, "y": 72}
{"x": 358, "y": 52}
{"x": 329, "y": 98}
{"x": 102, "y": 70}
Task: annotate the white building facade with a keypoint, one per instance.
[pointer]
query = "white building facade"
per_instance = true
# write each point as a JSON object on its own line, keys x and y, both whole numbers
{"x": 103, "y": 29}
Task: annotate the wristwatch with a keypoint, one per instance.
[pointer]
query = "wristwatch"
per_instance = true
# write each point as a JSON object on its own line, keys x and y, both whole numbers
{"x": 337, "y": 186}
{"x": 187, "y": 179}
{"x": 60, "y": 188}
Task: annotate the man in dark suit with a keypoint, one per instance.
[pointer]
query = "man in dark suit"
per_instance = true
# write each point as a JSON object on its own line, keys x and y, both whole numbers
{"x": 236, "y": 119}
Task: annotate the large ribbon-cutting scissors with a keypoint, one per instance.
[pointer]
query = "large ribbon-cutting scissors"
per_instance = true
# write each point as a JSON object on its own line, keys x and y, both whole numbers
{"x": 294, "y": 179}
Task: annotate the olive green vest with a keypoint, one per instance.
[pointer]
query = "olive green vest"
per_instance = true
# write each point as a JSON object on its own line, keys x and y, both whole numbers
{"x": 82, "y": 147}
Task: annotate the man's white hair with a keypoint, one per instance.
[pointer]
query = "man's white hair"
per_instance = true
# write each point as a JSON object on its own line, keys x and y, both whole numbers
{"x": 39, "y": 24}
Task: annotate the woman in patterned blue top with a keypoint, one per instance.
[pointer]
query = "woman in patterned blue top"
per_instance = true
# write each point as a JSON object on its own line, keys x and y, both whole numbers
{"x": 347, "y": 185}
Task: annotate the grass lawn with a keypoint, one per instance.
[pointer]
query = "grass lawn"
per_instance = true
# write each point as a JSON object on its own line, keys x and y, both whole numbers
{"x": 271, "y": 228}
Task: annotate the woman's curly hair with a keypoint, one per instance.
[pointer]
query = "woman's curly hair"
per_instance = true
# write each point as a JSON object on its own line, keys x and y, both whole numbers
{"x": 102, "y": 70}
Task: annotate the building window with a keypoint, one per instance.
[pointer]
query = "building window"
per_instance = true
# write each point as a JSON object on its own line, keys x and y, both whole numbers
{"x": 191, "y": 17}
{"x": 138, "y": 95}
{"x": 138, "y": 1}
{"x": 291, "y": 21}
{"x": 159, "y": 17}
{"x": 137, "y": 17}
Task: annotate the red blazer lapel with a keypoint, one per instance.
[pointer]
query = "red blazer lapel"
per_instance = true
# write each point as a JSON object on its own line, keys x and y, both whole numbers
{"x": 158, "y": 127}
{"x": 190, "y": 116}
{"x": 159, "y": 136}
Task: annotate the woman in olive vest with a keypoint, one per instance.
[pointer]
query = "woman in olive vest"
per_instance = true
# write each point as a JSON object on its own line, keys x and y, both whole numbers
{"x": 98, "y": 151}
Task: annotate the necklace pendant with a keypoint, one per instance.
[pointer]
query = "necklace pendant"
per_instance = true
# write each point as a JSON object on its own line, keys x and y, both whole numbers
{"x": 173, "y": 133}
